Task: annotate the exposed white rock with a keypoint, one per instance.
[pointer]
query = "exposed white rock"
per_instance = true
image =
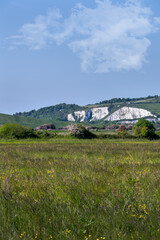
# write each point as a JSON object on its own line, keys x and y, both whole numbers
{"x": 80, "y": 115}
{"x": 70, "y": 118}
{"x": 129, "y": 113}
{"x": 93, "y": 114}
{"x": 152, "y": 119}
{"x": 99, "y": 113}
{"x": 129, "y": 122}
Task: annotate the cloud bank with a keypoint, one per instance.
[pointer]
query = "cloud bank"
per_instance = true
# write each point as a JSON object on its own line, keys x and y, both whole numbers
{"x": 109, "y": 37}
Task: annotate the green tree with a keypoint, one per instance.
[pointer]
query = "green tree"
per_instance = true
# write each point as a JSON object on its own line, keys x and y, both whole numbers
{"x": 145, "y": 129}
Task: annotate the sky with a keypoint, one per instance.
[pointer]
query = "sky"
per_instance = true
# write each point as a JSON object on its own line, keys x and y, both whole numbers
{"x": 80, "y": 52}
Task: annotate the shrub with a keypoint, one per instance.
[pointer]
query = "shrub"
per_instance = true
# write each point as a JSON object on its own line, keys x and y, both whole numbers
{"x": 107, "y": 136}
{"x": 122, "y": 128}
{"x": 16, "y": 131}
{"x": 119, "y": 135}
{"x": 79, "y": 131}
{"x": 123, "y": 134}
{"x": 145, "y": 129}
{"x": 45, "y": 134}
{"x": 144, "y": 123}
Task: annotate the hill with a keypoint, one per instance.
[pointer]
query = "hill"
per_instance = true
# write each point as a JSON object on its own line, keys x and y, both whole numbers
{"x": 59, "y": 112}
{"x": 28, "y": 121}
{"x": 108, "y": 110}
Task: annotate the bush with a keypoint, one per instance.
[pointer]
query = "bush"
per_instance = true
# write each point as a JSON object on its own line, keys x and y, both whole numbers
{"x": 45, "y": 134}
{"x": 79, "y": 131}
{"x": 107, "y": 136}
{"x": 119, "y": 135}
{"x": 144, "y": 123}
{"x": 122, "y": 128}
{"x": 16, "y": 131}
{"x": 145, "y": 129}
{"x": 123, "y": 134}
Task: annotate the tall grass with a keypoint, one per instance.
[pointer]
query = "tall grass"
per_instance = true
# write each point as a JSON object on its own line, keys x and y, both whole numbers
{"x": 67, "y": 189}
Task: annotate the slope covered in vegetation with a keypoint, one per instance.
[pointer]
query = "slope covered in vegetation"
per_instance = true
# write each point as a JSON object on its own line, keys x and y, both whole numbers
{"x": 61, "y": 111}
{"x": 28, "y": 121}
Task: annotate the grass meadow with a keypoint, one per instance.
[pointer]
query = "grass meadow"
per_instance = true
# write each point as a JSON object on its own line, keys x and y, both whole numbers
{"x": 69, "y": 189}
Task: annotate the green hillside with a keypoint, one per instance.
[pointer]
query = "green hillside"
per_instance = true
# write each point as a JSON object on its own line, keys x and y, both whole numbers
{"x": 60, "y": 111}
{"x": 28, "y": 121}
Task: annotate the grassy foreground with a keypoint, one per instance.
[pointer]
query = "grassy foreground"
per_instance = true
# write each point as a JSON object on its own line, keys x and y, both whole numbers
{"x": 67, "y": 189}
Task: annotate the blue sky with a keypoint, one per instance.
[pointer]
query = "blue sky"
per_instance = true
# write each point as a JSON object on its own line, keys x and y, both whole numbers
{"x": 54, "y": 51}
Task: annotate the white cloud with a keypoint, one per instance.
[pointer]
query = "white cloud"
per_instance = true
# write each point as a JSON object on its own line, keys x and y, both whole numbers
{"x": 110, "y": 37}
{"x": 38, "y": 34}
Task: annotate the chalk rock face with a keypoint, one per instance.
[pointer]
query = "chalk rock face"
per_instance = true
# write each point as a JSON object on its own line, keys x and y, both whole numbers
{"x": 93, "y": 114}
{"x": 70, "y": 118}
{"x": 80, "y": 115}
{"x": 129, "y": 113}
{"x": 99, "y": 113}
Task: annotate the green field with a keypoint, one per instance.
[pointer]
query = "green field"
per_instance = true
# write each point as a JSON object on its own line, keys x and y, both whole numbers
{"x": 68, "y": 189}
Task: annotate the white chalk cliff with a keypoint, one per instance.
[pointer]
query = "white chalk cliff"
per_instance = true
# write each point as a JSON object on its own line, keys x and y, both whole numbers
{"x": 96, "y": 114}
{"x": 93, "y": 114}
{"x": 80, "y": 115}
{"x": 70, "y": 118}
{"x": 129, "y": 113}
{"x": 99, "y": 113}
